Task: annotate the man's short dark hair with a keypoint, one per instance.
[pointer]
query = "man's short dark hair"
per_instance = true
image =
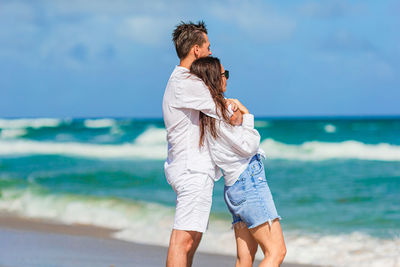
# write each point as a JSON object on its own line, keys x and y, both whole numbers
{"x": 186, "y": 35}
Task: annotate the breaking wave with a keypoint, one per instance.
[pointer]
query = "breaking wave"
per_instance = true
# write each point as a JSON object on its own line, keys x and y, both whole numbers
{"x": 316, "y": 151}
{"x": 29, "y": 123}
{"x": 99, "y": 123}
{"x": 151, "y": 223}
{"x": 151, "y": 144}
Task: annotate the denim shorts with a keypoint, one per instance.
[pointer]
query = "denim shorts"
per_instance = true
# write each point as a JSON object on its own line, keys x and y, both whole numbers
{"x": 249, "y": 199}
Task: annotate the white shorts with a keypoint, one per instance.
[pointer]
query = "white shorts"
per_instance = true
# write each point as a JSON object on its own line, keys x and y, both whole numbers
{"x": 193, "y": 201}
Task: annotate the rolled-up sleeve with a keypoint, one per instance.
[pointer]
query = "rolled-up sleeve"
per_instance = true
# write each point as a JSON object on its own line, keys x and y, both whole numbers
{"x": 244, "y": 139}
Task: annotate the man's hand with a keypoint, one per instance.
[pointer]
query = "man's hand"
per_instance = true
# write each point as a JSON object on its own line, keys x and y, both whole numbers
{"x": 238, "y": 110}
{"x": 237, "y": 118}
{"x": 240, "y": 106}
{"x": 231, "y": 102}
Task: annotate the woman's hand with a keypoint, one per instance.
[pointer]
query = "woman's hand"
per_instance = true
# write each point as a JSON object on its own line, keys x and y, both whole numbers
{"x": 240, "y": 106}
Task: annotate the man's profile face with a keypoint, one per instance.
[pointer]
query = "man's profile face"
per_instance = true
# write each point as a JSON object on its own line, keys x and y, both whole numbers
{"x": 204, "y": 49}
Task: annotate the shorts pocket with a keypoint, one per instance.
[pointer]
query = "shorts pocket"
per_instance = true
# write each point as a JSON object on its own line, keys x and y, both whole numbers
{"x": 236, "y": 193}
{"x": 256, "y": 167}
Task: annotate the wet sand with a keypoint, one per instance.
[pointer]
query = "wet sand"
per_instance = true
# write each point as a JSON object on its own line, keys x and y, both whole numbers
{"x": 27, "y": 242}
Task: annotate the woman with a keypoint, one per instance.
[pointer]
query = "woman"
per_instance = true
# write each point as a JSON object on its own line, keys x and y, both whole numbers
{"x": 235, "y": 149}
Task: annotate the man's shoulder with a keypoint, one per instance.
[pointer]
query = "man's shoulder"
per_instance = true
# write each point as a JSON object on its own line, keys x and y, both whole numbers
{"x": 174, "y": 78}
{"x": 183, "y": 75}
{"x": 184, "y": 80}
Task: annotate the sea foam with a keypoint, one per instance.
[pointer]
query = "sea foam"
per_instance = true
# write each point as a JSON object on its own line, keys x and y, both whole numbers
{"x": 152, "y": 136}
{"x": 151, "y": 224}
{"x": 316, "y": 151}
{"x": 12, "y": 133}
{"x": 330, "y": 128}
{"x": 99, "y": 123}
{"x": 75, "y": 149}
{"x": 26, "y": 123}
{"x": 152, "y": 144}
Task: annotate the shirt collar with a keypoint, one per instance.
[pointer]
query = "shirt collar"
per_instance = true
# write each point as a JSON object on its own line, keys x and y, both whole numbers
{"x": 182, "y": 68}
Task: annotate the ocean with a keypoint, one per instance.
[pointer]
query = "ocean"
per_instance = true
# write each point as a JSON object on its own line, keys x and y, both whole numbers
{"x": 335, "y": 182}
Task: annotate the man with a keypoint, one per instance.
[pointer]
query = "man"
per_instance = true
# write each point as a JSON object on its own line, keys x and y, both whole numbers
{"x": 189, "y": 169}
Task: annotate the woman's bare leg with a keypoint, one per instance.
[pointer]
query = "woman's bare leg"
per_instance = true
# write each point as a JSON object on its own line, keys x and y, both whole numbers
{"x": 270, "y": 239}
{"x": 246, "y": 246}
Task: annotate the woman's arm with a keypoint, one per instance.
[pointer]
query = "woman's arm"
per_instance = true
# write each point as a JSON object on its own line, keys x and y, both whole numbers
{"x": 244, "y": 139}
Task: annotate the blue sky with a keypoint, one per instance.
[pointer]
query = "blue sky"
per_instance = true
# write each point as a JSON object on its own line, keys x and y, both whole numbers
{"x": 113, "y": 58}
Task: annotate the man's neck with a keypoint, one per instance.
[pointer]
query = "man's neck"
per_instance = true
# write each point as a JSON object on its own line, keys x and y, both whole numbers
{"x": 186, "y": 62}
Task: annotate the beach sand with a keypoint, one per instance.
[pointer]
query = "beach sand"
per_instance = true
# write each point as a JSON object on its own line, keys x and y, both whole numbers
{"x": 32, "y": 242}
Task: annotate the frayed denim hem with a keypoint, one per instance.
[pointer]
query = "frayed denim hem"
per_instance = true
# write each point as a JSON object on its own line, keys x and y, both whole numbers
{"x": 242, "y": 224}
{"x": 269, "y": 221}
{"x": 238, "y": 225}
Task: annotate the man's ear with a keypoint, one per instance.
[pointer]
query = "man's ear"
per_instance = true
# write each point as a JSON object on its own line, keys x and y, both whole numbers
{"x": 196, "y": 51}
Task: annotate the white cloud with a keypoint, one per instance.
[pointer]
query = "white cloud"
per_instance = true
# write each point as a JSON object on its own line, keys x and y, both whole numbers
{"x": 329, "y": 9}
{"x": 77, "y": 33}
{"x": 16, "y": 23}
{"x": 365, "y": 67}
{"x": 147, "y": 29}
{"x": 256, "y": 19}
{"x": 16, "y": 10}
{"x": 105, "y": 7}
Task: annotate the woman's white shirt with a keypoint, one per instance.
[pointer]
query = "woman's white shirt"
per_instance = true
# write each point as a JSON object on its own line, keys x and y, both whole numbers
{"x": 234, "y": 147}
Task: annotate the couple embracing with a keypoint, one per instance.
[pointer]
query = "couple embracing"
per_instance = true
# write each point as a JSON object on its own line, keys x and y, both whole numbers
{"x": 207, "y": 134}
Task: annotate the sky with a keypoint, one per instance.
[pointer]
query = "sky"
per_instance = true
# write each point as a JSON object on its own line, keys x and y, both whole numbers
{"x": 83, "y": 58}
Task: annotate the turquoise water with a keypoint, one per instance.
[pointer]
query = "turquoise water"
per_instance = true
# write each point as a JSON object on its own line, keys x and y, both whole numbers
{"x": 328, "y": 177}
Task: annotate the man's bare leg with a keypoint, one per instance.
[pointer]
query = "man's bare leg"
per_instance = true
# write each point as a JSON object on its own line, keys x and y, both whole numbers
{"x": 270, "y": 239}
{"x": 182, "y": 246}
{"x": 196, "y": 242}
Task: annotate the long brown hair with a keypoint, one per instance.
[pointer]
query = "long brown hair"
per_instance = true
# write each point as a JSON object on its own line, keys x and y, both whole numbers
{"x": 209, "y": 70}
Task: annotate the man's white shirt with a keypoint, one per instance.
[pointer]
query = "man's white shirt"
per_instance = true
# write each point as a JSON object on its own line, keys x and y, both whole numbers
{"x": 185, "y": 96}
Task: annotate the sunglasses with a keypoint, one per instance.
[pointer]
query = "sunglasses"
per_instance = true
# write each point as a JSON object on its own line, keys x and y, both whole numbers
{"x": 226, "y": 74}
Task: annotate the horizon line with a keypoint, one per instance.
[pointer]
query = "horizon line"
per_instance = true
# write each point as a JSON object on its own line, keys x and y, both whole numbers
{"x": 283, "y": 117}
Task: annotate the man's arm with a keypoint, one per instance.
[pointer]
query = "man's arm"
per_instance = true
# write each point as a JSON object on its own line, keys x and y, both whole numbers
{"x": 192, "y": 93}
